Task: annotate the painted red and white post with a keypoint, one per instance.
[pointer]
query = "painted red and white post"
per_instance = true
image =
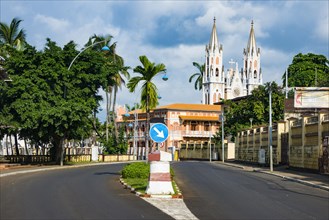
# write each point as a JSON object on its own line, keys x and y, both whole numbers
{"x": 160, "y": 178}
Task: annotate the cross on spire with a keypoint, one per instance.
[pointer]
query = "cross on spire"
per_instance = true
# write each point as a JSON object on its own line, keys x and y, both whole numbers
{"x": 231, "y": 62}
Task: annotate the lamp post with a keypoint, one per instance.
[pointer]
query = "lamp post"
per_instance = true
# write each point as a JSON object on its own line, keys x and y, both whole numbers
{"x": 270, "y": 128}
{"x": 134, "y": 125}
{"x": 287, "y": 83}
{"x": 164, "y": 78}
{"x": 105, "y": 48}
{"x": 210, "y": 146}
{"x": 222, "y": 119}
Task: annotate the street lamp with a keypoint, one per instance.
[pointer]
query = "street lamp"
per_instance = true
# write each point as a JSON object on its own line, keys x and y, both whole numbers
{"x": 222, "y": 119}
{"x": 68, "y": 69}
{"x": 287, "y": 83}
{"x": 134, "y": 125}
{"x": 164, "y": 78}
{"x": 105, "y": 48}
{"x": 270, "y": 128}
{"x": 210, "y": 145}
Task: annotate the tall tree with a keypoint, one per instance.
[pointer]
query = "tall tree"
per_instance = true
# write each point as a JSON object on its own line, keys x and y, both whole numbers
{"x": 308, "y": 70}
{"x": 149, "y": 91}
{"x": 48, "y": 102}
{"x": 198, "y": 75}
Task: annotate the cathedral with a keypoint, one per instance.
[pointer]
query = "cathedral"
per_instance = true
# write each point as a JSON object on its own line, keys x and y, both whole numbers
{"x": 220, "y": 84}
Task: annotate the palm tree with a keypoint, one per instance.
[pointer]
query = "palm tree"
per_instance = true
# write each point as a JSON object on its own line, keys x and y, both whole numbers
{"x": 118, "y": 72}
{"x": 198, "y": 75}
{"x": 11, "y": 35}
{"x": 10, "y": 38}
{"x": 149, "y": 96}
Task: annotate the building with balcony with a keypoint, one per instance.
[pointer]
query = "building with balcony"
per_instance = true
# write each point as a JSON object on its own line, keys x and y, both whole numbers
{"x": 188, "y": 124}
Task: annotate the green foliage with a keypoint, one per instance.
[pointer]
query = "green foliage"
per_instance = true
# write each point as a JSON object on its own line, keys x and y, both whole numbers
{"x": 198, "y": 76}
{"x": 11, "y": 36}
{"x": 147, "y": 72}
{"x": 116, "y": 145}
{"x": 308, "y": 70}
{"x": 255, "y": 107}
{"x": 136, "y": 170}
{"x": 139, "y": 170}
{"x": 139, "y": 184}
{"x": 48, "y": 103}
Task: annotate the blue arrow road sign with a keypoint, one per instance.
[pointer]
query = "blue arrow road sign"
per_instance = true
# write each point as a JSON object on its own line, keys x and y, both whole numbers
{"x": 159, "y": 132}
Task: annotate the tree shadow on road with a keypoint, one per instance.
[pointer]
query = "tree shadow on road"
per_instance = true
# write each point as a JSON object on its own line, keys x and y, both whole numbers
{"x": 108, "y": 173}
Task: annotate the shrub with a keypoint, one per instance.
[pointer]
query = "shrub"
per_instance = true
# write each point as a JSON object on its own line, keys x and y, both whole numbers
{"x": 136, "y": 170}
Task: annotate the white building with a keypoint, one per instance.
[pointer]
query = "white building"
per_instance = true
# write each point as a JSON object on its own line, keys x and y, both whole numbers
{"x": 218, "y": 84}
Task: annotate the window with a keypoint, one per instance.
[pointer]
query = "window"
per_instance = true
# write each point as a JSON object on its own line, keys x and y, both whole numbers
{"x": 193, "y": 126}
{"x": 206, "y": 126}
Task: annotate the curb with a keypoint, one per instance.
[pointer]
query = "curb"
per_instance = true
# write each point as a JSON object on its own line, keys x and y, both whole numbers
{"x": 278, "y": 175}
{"x": 139, "y": 194}
{"x": 294, "y": 180}
{"x": 56, "y": 168}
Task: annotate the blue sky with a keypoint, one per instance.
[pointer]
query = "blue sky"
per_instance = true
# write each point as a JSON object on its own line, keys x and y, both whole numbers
{"x": 175, "y": 33}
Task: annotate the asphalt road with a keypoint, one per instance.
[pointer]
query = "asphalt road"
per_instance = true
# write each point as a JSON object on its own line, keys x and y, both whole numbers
{"x": 213, "y": 191}
{"x": 79, "y": 193}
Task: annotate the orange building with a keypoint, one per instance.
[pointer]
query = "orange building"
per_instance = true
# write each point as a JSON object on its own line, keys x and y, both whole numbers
{"x": 186, "y": 123}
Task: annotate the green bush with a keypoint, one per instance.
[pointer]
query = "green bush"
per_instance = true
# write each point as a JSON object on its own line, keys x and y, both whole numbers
{"x": 136, "y": 170}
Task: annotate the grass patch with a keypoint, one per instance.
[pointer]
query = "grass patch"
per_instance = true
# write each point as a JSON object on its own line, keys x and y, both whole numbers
{"x": 139, "y": 184}
{"x": 136, "y": 175}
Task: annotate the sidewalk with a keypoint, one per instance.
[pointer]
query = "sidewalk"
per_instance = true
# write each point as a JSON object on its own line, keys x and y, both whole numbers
{"x": 304, "y": 177}
{"x": 20, "y": 169}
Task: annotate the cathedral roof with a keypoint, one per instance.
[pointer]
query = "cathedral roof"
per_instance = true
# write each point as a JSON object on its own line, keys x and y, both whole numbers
{"x": 251, "y": 46}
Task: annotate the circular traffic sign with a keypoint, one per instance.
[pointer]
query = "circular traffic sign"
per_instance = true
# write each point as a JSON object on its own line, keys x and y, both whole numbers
{"x": 159, "y": 132}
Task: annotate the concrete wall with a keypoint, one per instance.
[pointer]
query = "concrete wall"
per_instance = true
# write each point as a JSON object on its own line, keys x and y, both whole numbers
{"x": 305, "y": 147}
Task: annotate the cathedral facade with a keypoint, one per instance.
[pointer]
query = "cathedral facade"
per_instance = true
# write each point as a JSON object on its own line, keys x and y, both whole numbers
{"x": 220, "y": 84}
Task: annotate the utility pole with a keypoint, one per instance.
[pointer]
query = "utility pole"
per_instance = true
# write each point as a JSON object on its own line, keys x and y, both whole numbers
{"x": 270, "y": 128}
{"x": 287, "y": 83}
{"x": 222, "y": 119}
{"x": 210, "y": 145}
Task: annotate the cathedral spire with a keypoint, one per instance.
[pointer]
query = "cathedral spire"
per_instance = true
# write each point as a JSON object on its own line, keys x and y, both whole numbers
{"x": 251, "y": 46}
{"x": 213, "y": 42}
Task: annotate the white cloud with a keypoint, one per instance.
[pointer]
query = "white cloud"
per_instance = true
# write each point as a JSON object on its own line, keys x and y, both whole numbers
{"x": 274, "y": 63}
{"x": 133, "y": 23}
{"x": 321, "y": 29}
{"x": 54, "y": 24}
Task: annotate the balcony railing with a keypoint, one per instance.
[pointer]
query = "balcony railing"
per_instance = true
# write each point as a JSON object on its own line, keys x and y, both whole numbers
{"x": 197, "y": 133}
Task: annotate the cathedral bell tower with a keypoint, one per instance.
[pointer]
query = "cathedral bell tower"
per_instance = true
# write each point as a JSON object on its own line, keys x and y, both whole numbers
{"x": 213, "y": 79}
{"x": 251, "y": 63}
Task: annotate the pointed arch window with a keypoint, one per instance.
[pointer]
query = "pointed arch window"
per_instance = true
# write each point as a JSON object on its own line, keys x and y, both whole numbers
{"x": 255, "y": 74}
{"x": 217, "y": 72}
{"x": 217, "y": 60}
{"x": 214, "y": 98}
